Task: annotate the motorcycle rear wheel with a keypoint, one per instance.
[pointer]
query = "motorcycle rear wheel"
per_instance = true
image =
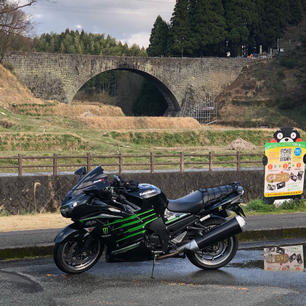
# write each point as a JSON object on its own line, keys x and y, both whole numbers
{"x": 73, "y": 259}
{"x": 216, "y": 255}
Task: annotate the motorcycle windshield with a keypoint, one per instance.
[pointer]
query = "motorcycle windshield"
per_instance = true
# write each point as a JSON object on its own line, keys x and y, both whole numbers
{"x": 95, "y": 179}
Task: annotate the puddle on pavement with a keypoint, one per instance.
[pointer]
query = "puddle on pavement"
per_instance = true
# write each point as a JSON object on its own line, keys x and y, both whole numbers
{"x": 249, "y": 264}
{"x": 286, "y": 258}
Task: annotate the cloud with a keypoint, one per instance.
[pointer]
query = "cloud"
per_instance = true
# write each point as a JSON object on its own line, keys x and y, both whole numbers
{"x": 141, "y": 39}
{"x": 129, "y": 21}
{"x": 37, "y": 16}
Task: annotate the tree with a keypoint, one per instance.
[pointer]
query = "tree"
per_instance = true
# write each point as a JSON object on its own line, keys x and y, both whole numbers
{"x": 240, "y": 16}
{"x": 158, "y": 38}
{"x": 273, "y": 21}
{"x": 13, "y": 23}
{"x": 208, "y": 27}
{"x": 296, "y": 12}
{"x": 179, "y": 43}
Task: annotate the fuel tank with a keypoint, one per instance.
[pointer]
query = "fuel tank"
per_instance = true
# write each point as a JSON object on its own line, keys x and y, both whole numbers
{"x": 148, "y": 196}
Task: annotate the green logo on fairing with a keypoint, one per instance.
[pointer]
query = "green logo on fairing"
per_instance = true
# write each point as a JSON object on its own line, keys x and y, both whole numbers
{"x": 105, "y": 230}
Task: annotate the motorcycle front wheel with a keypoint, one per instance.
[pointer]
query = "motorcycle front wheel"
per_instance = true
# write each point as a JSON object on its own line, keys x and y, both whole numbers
{"x": 216, "y": 255}
{"x": 75, "y": 256}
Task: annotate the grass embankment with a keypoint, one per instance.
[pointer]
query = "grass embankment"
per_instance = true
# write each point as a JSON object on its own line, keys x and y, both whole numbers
{"x": 258, "y": 206}
{"x": 56, "y": 129}
{"x": 77, "y": 140}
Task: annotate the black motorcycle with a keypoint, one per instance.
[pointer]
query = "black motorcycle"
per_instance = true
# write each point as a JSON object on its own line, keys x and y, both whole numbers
{"x": 136, "y": 222}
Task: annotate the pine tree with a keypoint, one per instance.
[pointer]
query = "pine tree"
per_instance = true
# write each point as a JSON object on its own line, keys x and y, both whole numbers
{"x": 158, "y": 38}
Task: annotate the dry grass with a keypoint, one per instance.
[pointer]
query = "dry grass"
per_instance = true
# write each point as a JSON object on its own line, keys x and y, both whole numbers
{"x": 12, "y": 92}
{"x": 32, "y": 222}
{"x": 67, "y": 110}
{"x": 241, "y": 145}
{"x": 130, "y": 123}
{"x": 86, "y": 111}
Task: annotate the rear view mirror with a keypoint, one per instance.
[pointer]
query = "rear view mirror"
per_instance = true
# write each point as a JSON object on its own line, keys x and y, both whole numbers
{"x": 81, "y": 171}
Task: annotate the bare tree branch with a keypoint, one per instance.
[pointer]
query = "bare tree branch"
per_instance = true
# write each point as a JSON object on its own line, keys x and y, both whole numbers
{"x": 13, "y": 24}
{"x": 16, "y": 7}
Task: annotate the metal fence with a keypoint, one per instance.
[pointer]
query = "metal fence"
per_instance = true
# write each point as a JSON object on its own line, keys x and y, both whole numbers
{"x": 120, "y": 162}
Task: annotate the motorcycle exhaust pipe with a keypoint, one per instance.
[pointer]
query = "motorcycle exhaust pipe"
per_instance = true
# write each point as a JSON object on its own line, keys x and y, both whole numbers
{"x": 218, "y": 233}
{"x": 221, "y": 232}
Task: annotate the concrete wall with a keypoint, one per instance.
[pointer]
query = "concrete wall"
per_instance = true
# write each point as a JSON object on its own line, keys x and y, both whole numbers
{"x": 45, "y": 193}
{"x": 184, "y": 82}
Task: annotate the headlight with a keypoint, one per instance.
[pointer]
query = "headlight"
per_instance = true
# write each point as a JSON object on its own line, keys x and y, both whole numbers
{"x": 67, "y": 208}
{"x": 240, "y": 190}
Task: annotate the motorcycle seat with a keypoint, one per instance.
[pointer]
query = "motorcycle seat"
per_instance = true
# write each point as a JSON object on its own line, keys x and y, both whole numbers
{"x": 194, "y": 201}
{"x": 216, "y": 193}
{"x": 189, "y": 203}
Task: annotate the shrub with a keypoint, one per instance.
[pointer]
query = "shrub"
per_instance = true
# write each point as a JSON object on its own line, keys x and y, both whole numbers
{"x": 293, "y": 204}
{"x": 259, "y": 205}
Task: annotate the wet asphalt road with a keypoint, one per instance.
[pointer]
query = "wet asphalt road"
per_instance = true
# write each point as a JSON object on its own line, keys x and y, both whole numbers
{"x": 177, "y": 282}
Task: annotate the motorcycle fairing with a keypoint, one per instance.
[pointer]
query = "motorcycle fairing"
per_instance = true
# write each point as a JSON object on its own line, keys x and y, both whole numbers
{"x": 95, "y": 180}
{"x": 67, "y": 232}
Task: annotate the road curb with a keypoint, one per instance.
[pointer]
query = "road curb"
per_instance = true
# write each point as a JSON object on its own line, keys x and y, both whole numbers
{"x": 26, "y": 252}
{"x": 261, "y": 237}
{"x": 272, "y": 234}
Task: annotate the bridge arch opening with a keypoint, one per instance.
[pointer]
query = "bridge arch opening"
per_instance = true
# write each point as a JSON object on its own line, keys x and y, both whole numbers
{"x": 136, "y": 92}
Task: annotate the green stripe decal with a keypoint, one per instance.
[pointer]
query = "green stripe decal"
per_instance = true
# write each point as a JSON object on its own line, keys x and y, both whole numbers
{"x": 120, "y": 220}
{"x": 140, "y": 226}
{"x": 134, "y": 222}
{"x": 127, "y": 224}
{"x": 132, "y": 235}
{"x": 131, "y": 217}
{"x": 173, "y": 219}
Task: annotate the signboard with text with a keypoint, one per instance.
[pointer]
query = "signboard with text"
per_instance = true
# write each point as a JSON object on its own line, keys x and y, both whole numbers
{"x": 284, "y": 172}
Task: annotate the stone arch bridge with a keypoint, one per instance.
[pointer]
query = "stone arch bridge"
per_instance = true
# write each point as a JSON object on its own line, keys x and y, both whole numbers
{"x": 182, "y": 81}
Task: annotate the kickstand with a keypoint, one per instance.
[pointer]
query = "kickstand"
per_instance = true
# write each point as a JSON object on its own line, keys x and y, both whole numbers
{"x": 153, "y": 265}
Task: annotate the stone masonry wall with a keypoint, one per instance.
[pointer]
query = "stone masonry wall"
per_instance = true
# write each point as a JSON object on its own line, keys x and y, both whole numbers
{"x": 45, "y": 193}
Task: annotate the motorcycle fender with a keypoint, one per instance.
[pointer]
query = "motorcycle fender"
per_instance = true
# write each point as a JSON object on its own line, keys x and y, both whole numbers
{"x": 71, "y": 229}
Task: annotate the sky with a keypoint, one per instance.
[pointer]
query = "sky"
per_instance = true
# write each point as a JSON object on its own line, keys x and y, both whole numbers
{"x": 129, "y": 21}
